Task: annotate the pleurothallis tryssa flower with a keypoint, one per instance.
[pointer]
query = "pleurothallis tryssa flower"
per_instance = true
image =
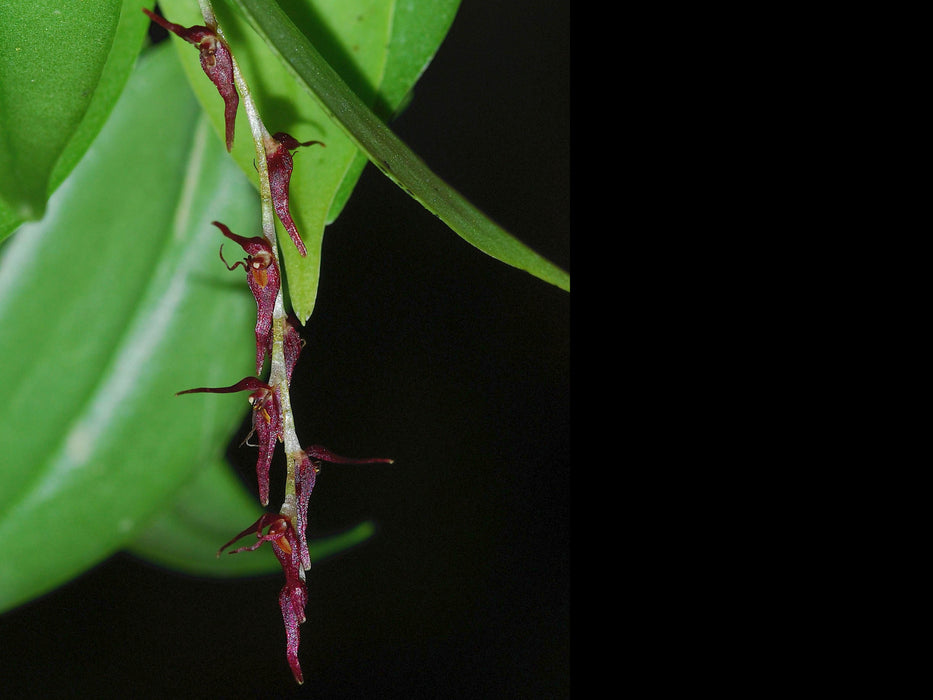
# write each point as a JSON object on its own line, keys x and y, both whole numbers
{"x": 267, "y": 423}
{"x": 216, "y": 62}
{"x": 279, "y": 161}
{"x": 264, "y": 280}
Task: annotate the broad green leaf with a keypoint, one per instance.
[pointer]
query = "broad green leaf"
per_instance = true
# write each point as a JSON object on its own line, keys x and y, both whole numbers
{"x": 128, "y": 39}
{"x": 63, "y": 63}
{"x": 9, "y": 221}
{"x": 385, "y": 150}
{"x": 208, "y": 512}
{"x": 380, "y": 47}
{"x": 109, "y": 305}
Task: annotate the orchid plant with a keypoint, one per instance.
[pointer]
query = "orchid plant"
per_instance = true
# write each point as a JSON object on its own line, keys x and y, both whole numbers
{"x": 299, "y": 193}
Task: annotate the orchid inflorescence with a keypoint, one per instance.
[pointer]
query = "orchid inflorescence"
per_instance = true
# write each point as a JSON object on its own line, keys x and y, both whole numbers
{"x": 277, "y": 339}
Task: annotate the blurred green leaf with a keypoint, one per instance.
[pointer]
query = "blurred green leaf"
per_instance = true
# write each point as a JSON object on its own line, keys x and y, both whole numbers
{"x": 63, "y": 65}
{"x": 206, "y": 512}
{"x": 379, "y": 47}
{"x": 109, "y": 305}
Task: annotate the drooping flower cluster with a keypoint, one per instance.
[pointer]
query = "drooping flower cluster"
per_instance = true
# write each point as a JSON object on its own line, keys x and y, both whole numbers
{"x": 286, "y": 531}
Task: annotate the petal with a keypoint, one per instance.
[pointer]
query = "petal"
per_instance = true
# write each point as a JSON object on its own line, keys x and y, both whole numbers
{"x": 305, "y": 478}
{"x": 246, "y": 384}
{"x": 217, "y": 63}
{"x": 319, "y": 453}
{"x": 267, "y": 424}
{"x": 265, "y": 520}
{"x": 255, "y": 246}
{"x": 292, "y": 601}
{"x": 292, "y": 345}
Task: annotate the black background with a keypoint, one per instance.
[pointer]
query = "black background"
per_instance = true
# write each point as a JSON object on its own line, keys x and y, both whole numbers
{"x": 422, "y": 349}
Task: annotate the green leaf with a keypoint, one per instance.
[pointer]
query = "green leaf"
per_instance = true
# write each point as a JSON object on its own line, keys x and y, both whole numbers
{"x": 380, "y": 47}
{"x": 417, "y": 29}
{"x": 62, "y": 68}
{"x": 385, "y": 150}
{"x": 112, "y": 303}
{"x": 9, "y": 221}
{"x": 205, "y": 514}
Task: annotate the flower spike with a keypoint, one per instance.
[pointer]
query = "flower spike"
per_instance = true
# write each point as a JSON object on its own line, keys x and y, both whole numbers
{"x": 264, "y": 279}
{"x": 216, "y": 61}
{"x": 267, "y": 423}
{"x": 278, "y": 337}
{"x": 280, "y": 164}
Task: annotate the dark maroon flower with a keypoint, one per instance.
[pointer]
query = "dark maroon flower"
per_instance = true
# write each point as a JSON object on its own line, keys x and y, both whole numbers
{"x": 216, "y": 61}
{"x": 294, "y": 595}
{"x": 280, "y": 165}
{"x": 292, "y": 600}
{"x": 305, "y": 478}
{"x": 263, "y": 278}
{"x": 267, "y": 423}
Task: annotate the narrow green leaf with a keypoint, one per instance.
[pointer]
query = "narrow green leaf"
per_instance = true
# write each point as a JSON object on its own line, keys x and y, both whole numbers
{"x": 417, "y": 29}
{"x": 112, "y": 303}
{"x": 385, "y": 150}
{"x": 63, "y": 64}
{"x": 380, "y": 47}
{"x": 209, "y": 511}
{"x": 325, "y": 547}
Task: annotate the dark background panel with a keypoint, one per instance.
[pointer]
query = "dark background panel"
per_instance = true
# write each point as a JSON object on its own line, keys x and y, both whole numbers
{"x": 424, "y": 350}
